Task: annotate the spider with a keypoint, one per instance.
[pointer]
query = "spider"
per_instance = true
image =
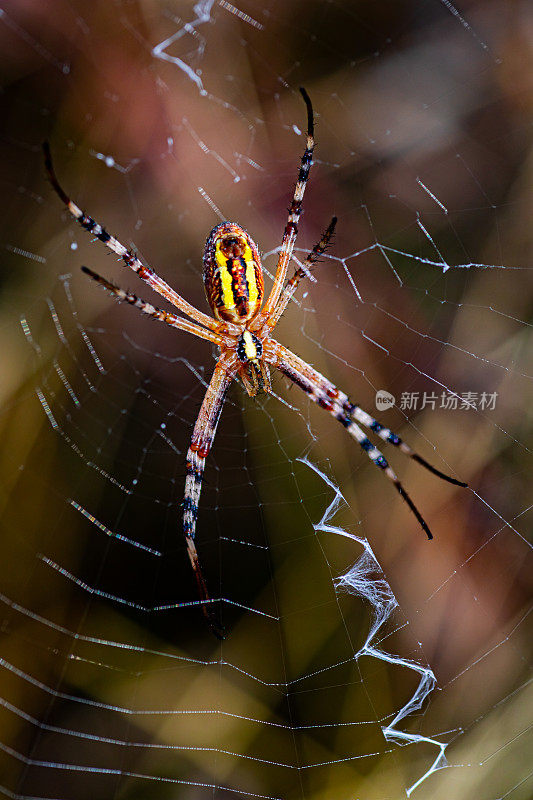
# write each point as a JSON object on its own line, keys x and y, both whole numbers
{"x": 241, "y": 326}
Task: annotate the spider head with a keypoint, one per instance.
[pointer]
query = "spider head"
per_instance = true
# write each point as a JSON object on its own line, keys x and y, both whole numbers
{"x": 233, "y": 276}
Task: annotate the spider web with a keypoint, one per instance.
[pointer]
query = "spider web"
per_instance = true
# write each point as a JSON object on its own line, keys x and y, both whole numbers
{"x": 360, "y": 660}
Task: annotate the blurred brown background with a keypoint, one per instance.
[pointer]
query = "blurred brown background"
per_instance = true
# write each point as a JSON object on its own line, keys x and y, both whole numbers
{"x": 106, "y": 698}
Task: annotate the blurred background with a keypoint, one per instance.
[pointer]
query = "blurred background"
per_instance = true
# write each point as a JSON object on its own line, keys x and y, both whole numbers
{"x": 163, "y": 118}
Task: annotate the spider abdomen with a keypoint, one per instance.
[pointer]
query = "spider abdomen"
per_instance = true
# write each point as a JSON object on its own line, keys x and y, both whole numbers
{"x": 233, "y": 276}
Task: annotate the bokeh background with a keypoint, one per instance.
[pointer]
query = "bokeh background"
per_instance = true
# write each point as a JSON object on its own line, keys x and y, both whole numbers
{"x": 161, "y": 116}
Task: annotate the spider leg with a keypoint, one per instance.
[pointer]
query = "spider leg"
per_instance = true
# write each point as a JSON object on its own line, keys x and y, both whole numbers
{"x": 201, "y": 442}
{"x": 302, "y": 272}
{"x": 130, "y": 259}
{"x": 247, "y": 383}
{"x": 255, "y": 382}
{"x": 355, "y": 411}
{"x": 291, "y": 229}
{"x": 152, "y": 311}
{"x": 327, "y": 396}
{"x": 265, "y": 376}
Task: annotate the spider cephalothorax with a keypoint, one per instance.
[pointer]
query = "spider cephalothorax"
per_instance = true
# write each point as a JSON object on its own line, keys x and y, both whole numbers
{"x": 242, "y": 329}
{"x": 249, "y": 348}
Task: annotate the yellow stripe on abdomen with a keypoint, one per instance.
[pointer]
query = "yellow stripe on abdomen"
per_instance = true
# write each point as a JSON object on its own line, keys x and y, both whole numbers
{"x": 228, "y": 297}
{"x": 253, "y": 292}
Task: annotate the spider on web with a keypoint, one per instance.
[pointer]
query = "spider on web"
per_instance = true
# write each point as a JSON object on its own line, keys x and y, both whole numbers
{"x": 242, "y": 329}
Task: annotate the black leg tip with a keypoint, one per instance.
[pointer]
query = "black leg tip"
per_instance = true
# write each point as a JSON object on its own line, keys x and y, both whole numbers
{"x": 307, "y": 100}
{"x": 219, "y": 632}
{"x": 47, "y": 156}
{"x": 90, "y": 273}
{"x": 216, "y": 627}
{"x": 331, "y": 227}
